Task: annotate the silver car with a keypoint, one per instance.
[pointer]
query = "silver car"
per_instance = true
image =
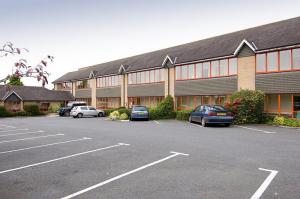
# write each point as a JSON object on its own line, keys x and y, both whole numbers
{"x": 83, "y": 111}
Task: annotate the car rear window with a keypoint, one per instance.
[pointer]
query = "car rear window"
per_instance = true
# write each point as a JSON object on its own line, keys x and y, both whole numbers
{"x": 139, "y": 108}
{"x": 216, "y": 108}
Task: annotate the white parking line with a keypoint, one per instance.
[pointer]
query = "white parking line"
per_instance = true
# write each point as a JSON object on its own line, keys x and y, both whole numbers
{"x": 156, "y": 122}
{"x": 265, "y": 184}
{"x": 123, "y": 175}
{"x": 4, "y": 131}
{"x": 253, "y": 129}
{"x": 62, "y": 158}
{"x": 197, "y": 125}
{"x": 31, "y": 138}
{"x": 11, "y": 134}
{"x": 45, "y": 145}
{"x": 7, "y": 126}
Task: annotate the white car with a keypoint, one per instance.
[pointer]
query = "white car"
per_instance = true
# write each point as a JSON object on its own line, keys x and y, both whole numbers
{"x": 83, "y": 111}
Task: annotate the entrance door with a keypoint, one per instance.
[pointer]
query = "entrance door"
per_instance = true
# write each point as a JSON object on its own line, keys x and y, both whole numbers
{"x": 297, "y": 106}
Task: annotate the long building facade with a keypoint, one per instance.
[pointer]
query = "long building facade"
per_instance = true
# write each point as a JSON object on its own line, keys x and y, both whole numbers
{"x": 208, "y": 71}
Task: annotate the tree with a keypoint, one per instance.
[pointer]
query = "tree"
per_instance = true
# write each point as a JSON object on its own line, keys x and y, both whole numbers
{"x": 22, "y": 69}
{"x": 15, "y": 81}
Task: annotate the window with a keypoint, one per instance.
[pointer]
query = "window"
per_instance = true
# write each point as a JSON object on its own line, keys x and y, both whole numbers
{"x": 199, "y": 70}
{"x": 147, "y": 75}
{"x": 143, "y": 80}
{"x": 178, "y": 69}
{"x": 184, "y": 72}
{"x": 138, "y": 78}
{"x": 233, "y": 66}
{"x": 156, "y": 72}
{"x": 285, "y": 60}
{"x": 272, "y": 59}
{"x": 206, "y": 69}
{"x": 215, "y": 68}
{"x": 133, "y": 78}
{"x": 162, "y": 75}
{"x": 83, "y": 84}
{"x": 261, "y": 62}
{"x": 191, "y": 69}
{"x": 296, "y": 58}
{"x": 152, "y": 74}
{"x": 224, "y": 67}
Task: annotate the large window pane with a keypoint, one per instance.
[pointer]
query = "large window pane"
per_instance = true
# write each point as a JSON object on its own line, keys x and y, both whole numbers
{"x": 233, "y": 66}
{"x": 296, "y": 58}
{"x": 215, "y": 68}
{"x": 224, "y": 67}
{"x": 130, "y": 78}
{"x": 178, "y": 69}
{"x": 199, "y": 70}
{"x": 184, "y": 72}
{"x": 133, "y": 78}
{"x": 151, "y": 76}
{"x": 156, "y": 75}
{"x": 106, "y": 81}
{"x": 138, "y": 78}
{"x": 261, "y": 63}
{"x": 191, "y": 74}
{"x": 143, "y": 77}
{"x": 272, "y": 61}
{"x": 162, "y": 74}
{"x": 285, "y": 60}
{"x": 147, "y": 76}
{"x": 206, "y": 69}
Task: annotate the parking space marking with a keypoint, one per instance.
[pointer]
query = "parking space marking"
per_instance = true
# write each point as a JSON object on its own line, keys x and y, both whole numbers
{"x": 174, "y": 154}
{"x": 197, "y": 125}
{"x": 156, "y": 122}
{"x": 265, "y": 184}
{"x": 4, "y": 131}
{"x": 253, "y": 129}
{"x": 45, "y": 145}
{"x": 31, "y": 138}
{"x": 7, "y": 126}
{"x": 65, "y": 157}
{"x": 13, "y": 134}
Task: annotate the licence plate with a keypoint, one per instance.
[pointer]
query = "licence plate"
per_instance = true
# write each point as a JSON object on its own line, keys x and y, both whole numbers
{"x": 221, "y": 114}
{"x": 141, "y": 113}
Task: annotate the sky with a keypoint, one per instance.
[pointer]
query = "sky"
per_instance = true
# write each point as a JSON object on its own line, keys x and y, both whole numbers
{"x": 80, "y": 33}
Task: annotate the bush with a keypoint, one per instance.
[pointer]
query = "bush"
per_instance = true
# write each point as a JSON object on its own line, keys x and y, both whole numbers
{"x": 283, "y": 121}
{"x": 32, "y": 109}
{"x": 53, "y": 108}
{"x": 121, "y": 110}
{"x": 114, "y": 115}
{"x": 164, "y": 110}
{"x": 278, "y": 120}
{"x": 123, "y": 116}
{"x": 247, "y": 106}
{"x": 3, "y": 112}
{"x": 183, "y": 115}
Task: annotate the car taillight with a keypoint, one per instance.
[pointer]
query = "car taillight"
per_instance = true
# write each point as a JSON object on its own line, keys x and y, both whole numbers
{"x": 211, "y": 113}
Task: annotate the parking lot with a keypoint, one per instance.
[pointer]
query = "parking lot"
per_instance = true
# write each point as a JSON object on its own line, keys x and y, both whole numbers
{"x": 53, "y": 157}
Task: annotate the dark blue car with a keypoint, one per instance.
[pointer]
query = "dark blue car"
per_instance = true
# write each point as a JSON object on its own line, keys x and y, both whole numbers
{"x": 211, "y": 114}
{"x": 139, "y": 112}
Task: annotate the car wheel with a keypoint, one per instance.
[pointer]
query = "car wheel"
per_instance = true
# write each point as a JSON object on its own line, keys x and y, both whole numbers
{"x": 79, "y": 115}
{"x": 100, "y": 114}
{"x": 203, "y": 123}
{"x": 74, "y": 116}
{"x": 190, "y": 119}
{"x": 227, "y": 125}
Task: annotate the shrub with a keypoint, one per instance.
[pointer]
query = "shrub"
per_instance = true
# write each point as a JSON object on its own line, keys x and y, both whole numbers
{"x": 183, "y": 115}
{"x": 123, "y": 110}
{"x": 114, "y": 115}
{"x": 247, "y": 106}
{"x": 278, "y": 120}
{"x": 164, "y": 110}
{"x": 32, "y": 109}
{"x": 3, "y": 112}
{"x": 109, "y": 111}
{"x": 53, "y": 108}
{"x": 123, "y": 116}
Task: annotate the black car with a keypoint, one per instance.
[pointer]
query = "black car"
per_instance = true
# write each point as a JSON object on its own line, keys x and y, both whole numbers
{"x": 65, "y": 111}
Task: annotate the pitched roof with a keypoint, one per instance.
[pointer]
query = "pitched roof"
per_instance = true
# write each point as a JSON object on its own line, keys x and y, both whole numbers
{"x": 32, "y": 93}
{"x": 278, "y": 34}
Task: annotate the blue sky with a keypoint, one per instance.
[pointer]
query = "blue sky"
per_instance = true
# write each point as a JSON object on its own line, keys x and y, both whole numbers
{"x": 80, "y": 33}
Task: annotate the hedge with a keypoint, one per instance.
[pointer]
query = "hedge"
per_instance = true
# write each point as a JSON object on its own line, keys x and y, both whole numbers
{"x": 247, "y": 106}
{"x": 183, "y": 115}
{"x": 164, "y": 110}
{"x": 121, "y": 110}
{"x": 32, "y": 109}
{"x": 283, "y": 121}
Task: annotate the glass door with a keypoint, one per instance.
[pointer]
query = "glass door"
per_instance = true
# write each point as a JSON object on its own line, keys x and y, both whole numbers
{"x": 296, "y": 100}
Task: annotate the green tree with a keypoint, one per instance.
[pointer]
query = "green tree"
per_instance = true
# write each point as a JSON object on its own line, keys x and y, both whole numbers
{"x": 15, "y": 81}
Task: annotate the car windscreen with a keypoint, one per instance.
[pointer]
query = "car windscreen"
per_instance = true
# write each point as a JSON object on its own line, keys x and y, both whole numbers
{"x": 139, "y": 108}
{"x": 216, "y": 108}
